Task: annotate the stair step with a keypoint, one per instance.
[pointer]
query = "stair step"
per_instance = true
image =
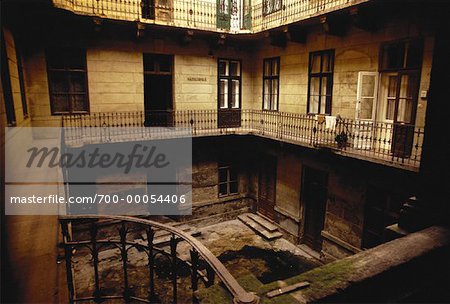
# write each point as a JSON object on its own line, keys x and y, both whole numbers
{"x": 263, "y": 222}
{"x": 259, "y": 228}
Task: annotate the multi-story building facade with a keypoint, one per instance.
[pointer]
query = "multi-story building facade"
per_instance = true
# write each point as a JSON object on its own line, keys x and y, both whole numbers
{"x": 311, "y": 113}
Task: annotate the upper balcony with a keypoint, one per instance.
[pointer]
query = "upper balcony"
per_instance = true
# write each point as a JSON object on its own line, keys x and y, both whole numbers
{"x": 226, "y": 16}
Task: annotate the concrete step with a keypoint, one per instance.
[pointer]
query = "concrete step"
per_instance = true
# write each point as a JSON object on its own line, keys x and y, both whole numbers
{"x": 258, "y": 228}
{"x": 263, "y": 222}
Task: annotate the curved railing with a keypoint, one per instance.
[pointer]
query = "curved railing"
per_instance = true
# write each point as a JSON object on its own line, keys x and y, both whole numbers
{"x": 198, "y": 251}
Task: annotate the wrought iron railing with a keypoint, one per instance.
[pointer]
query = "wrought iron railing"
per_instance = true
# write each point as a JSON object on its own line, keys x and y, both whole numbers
{"x": 202, "y": 264}
{"x": 293, "y": 11}
{"x": 201, "y": 14}
{"x": 390, "y": 143}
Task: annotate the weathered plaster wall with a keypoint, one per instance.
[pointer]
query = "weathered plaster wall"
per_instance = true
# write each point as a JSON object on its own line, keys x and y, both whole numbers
{"x": 356, "y": 51}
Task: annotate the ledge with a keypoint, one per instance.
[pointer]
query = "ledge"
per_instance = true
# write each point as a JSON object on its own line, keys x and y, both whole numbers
{"x": 340, "y": 242}
{"x": 415, "y": 259}
{"x": 287, "y": 214}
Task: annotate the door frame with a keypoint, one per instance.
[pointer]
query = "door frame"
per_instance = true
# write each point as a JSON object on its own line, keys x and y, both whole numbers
{"x": 156, "y": 73}
{"x": 304, "y": 204}
{"x": 229, "y": 110}
{"x": 364, "y": 122}
{"x": 274, "y": 162}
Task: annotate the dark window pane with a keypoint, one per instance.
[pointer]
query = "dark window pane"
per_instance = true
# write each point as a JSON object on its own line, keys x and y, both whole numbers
{"x": 75, "y": 59}
{"x": 393, "y": 56}
{"x": 60, "y": 103}
{"x": 233, "y": 187}
{"x": 223, "y": 189}
{"x": 266, "y": 68}
{"x": 79, "y": 103}
{"x": 55, "y": 59}
{"x": 326, "y": 62}
{"x": 223, "y": 172}
{"x": 414, "y": 54}
{"x": 234, "y": 68}
{"x": 149, "y": 63}
{"x": 223, "y": 68}
{"x": 274, "y": 71}
{"x": 233, "y": 175}
{"x": 315, "y": 63}
{"x": 78, "y": 82}
{"x": 165, "y": 64}
{"x": 59, "y": 82}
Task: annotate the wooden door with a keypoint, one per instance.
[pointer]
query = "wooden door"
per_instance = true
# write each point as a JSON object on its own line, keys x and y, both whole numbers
{"x": 366, "y": 98}
{"x": 229, "y": 93}
{"x": 405, "y": 114}
{"x": 314, "y": 196}
{"x": 267, "y": 186}
{"x": 158, "y": 90}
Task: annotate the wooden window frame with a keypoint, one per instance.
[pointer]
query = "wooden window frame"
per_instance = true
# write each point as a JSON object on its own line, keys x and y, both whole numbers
{"x": 229, "y": 167}
{"x": 405, "y": 42}
{"x": 22, "y": 82}
{"x": 321, "y": 74}
{"x": 271, "y": 78}
{"x": 6, "y": 84}
{"x": 230, "y": 79}
{"x": 69, "y": 71}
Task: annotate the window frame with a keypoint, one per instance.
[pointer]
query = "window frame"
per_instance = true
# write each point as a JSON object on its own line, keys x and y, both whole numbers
{"x": 228, "y": 166}
{"x": 264, "y": 7}
{"x": 271, "y": 78}
{"x": 230, "y": 79}
{"x": 68, "y": 71}
{"x": 321, "y": 74}
{"x": 5, "y": 76}
{"x": 405, "y": 42}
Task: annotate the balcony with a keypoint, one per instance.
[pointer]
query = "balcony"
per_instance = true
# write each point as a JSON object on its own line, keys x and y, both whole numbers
{"x": 397, "y": 145}
{"x": 205, "y": 15}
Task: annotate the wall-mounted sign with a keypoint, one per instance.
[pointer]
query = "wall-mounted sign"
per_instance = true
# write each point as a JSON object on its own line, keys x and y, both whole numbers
{"x": 201, "y": 79}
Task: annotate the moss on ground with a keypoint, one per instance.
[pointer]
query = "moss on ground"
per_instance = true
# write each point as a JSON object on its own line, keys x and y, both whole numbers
{"x": 323, "y": 278}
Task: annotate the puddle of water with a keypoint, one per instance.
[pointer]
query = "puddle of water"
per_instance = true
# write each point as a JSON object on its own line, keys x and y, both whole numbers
{"x": 265, "y": 264}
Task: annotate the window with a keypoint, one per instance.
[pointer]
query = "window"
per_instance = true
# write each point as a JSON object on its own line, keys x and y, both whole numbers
{"x": 381, "y": 210}
{"x": 21, "y": 83}
{"x": 229, "y": 84}
{"x": 271, "y": 83}
{"x": 67, "y": 80}
{"x": 401, "y": 55}
{"x": 271, "y": 6}
{"x": 228, "y": 179}
{"x": 6, "y": 85}
{"x": 320, "y": 82}
{"x": 400, "y": 65}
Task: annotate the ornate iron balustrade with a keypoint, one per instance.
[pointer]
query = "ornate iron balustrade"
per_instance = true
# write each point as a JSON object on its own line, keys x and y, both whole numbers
{"x": 392, "y": 144}
{"x": 201, "y": 14}
{"x": 203, "y": 265}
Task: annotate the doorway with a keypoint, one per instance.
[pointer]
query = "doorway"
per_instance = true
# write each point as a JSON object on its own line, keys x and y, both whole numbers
{"x": 314, "y": 197}
{"x": 366, "y": 102}
{"x": 267, "y": 186}
{"x": 229, "y": 93}
{"x": 158, "y": 90}
{"x": 399, "y": 103}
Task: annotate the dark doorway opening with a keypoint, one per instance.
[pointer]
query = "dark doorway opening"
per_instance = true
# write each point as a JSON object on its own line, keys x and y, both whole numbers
{"x": 267, "y": 186}
{"x": 158, "y": 90}
{"x": 314, "y": 197}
